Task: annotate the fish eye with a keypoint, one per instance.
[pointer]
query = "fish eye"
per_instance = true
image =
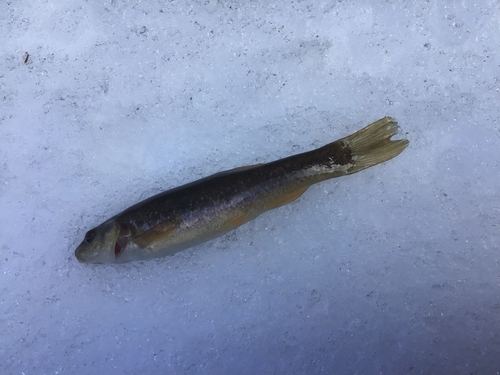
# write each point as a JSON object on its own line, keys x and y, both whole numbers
{"x": 89, "y": 236}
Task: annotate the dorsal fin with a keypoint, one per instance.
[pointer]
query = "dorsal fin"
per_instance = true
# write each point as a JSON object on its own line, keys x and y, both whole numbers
{"x": 229, "y": 171}
{"x": 244, "y": 167}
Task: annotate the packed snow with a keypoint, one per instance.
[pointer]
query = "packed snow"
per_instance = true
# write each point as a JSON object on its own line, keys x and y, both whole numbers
{"x": 394, "y": 270}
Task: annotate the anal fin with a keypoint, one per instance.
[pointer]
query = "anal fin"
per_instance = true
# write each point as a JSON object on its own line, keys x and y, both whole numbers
{"x": 285, "y": 198}
{"x": 237, "y": 221}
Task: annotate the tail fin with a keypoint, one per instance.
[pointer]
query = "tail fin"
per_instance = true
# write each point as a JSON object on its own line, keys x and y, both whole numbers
{"x": 372, "y": 145}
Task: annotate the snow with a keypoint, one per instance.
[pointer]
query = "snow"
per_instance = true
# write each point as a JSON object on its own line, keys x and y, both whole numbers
{"x": 393, "y": 270}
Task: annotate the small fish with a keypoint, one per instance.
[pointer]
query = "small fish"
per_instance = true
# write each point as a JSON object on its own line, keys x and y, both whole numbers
{"x": 205, "y": 209}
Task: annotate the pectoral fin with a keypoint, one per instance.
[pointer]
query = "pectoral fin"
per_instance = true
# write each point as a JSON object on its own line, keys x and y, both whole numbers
{"x": 285, "y": 198}
{"x": 156, "y": 234}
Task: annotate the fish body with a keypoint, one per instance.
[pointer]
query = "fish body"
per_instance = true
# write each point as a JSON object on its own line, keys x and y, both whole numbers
{"x": 205, "y": 209}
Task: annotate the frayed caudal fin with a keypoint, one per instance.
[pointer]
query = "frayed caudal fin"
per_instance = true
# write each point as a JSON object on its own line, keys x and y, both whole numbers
{"x": 372, "y": 145}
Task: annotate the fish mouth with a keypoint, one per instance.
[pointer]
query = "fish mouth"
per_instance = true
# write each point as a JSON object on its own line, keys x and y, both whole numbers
{"x": 81, "y": 253}
{"x": 78, "y": 255}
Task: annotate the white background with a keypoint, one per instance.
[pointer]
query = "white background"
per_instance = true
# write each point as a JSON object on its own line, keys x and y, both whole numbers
{"x": 394, "y": 270}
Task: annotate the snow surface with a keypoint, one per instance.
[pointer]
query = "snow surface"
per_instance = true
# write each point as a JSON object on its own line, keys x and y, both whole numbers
{"x": 394, "y": 270}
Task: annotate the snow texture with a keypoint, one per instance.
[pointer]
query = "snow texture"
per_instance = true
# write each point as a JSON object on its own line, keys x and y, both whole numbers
{"x": 394, "y": 270}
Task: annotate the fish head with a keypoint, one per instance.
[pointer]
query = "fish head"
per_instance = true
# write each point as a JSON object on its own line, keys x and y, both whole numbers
{"x": 98, "y": 246}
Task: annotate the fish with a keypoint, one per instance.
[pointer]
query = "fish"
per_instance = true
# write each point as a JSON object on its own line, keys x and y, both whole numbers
{"x": 202, "y": 210}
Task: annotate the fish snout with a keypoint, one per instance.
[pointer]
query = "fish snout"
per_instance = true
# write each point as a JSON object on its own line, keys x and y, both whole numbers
{"x": 79, "y": 255}
{"x": 98, "y": 245}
